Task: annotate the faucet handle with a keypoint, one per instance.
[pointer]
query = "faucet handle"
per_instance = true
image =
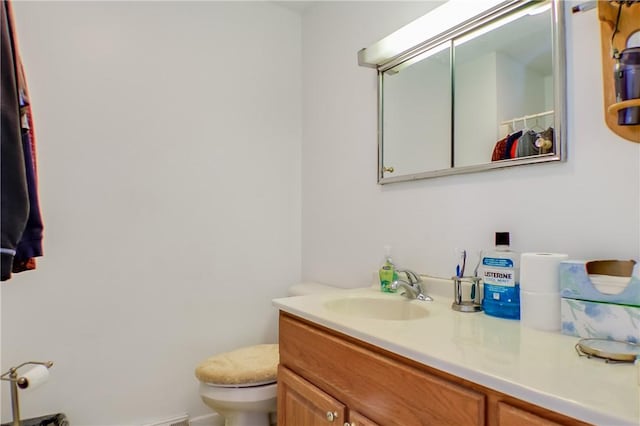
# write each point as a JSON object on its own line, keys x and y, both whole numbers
{"x": 412, "y": 277}
{"x": 413, "y": 291}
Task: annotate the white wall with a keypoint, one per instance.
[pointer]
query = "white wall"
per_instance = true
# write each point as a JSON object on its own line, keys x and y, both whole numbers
{"x": 588, "y": 207}
{"x": 169, "y": 147}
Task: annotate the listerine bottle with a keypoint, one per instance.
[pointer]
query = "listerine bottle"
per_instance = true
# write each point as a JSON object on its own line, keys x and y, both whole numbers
{"x": 501, "y": 278}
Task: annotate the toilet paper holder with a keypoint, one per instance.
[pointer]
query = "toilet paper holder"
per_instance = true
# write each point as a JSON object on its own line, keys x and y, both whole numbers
{"x": 22, "y": 382}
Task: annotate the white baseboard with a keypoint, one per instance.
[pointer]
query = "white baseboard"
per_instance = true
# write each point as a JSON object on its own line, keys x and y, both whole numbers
{"x": 217, "y": 420}
{"x": 181, "y": 420}
{"x": 212, "y": 419}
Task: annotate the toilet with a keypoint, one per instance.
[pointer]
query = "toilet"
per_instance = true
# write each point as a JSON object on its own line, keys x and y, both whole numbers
{"x": 241, "y": 385}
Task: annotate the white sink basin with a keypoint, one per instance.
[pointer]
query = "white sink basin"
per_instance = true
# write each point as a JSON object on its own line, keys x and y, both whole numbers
{"x": 377, "y": 308}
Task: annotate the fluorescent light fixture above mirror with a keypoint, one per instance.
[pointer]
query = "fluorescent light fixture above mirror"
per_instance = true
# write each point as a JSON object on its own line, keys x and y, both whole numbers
{"x": 418, "y": 58}
{"x": 497, "y": 24}
{"x": 437, "y": 22}
{"x": 458, "y": 41}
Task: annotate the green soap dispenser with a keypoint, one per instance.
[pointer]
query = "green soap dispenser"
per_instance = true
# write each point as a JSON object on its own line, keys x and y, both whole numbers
{"x": 387, "y": 273}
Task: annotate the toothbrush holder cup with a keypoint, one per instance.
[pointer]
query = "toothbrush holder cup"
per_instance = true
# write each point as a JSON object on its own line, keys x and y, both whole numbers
{"x": 470, "y": 286}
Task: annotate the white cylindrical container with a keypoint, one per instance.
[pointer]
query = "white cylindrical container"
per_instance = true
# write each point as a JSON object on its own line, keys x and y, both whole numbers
{"x": 540, "y": 272}
{"x": 540, "y": 310}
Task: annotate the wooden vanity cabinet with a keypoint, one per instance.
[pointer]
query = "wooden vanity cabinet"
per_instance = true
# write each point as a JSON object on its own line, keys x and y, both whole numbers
{"x": 326, "y": 377}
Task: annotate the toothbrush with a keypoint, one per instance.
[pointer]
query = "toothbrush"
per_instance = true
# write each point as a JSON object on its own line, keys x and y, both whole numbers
{"x": 463, "y": 256}
{"x": 475, "y": 274}
{"x": 464, "y": 262}
{"x": 475, "y": 271}
{"x": 458, "y": 253}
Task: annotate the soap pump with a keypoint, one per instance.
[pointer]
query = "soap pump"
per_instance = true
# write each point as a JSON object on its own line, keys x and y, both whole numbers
{"x": 387, "y": 272}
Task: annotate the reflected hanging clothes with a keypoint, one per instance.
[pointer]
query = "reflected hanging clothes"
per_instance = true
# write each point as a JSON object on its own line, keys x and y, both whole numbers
{"x": 527, "y": 145}
{"x": 535, "y": 143}
{"x": 546, "y": 141}
{"x": 511, "y": 141}
{"x": 505, "y": 148}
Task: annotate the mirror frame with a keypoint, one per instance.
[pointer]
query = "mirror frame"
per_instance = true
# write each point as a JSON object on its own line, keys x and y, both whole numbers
{"x": 559, "y": 88}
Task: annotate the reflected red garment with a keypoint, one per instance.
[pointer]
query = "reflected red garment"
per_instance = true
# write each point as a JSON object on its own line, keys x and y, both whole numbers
{"x": 514, "y": 149}
{"x": 499, "y": 149}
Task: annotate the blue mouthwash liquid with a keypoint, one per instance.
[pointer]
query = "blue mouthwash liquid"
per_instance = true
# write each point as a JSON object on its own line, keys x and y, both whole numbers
{"x": 501, "y": 278}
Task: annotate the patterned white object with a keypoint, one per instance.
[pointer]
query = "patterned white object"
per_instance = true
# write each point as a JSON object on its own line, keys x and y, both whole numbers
{"x": 600, "y": 320}
{"x": 576, "y": 284}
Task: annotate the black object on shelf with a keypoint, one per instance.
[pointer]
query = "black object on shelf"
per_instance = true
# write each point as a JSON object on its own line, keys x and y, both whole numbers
{"x": 58, "y": 419}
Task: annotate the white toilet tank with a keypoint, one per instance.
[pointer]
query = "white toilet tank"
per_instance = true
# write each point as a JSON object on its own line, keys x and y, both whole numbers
{"x": 305, "y": 288}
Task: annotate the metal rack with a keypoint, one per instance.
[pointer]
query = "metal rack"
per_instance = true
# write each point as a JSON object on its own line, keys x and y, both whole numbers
{"x": 524, "y": 118}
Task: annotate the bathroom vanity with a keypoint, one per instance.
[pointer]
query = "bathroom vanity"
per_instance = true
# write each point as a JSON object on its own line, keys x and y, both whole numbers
{"x": 436, "y": 366}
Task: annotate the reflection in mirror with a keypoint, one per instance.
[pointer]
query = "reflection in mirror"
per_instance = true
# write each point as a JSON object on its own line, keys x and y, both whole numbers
{"x": 504, "y": 100}
{"x": 416, "y": 98}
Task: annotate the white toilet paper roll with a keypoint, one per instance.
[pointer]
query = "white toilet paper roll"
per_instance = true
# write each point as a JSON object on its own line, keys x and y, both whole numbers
{"x": 540, "y": 272}
{"x": 540, "y": 310}
{"x": 34, "y": 377}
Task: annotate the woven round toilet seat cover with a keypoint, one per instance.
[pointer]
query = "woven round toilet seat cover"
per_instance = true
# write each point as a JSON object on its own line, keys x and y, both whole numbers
{"x": 249, "y": 365}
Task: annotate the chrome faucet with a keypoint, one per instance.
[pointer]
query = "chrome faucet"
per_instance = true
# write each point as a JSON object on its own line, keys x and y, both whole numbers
{"x": 412, "y": 287}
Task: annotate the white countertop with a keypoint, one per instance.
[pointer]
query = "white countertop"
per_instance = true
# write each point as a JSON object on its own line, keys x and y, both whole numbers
{"x": 536, "y": 366}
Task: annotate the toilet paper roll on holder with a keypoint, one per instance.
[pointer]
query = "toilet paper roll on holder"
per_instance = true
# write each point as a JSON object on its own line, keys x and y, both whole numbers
{"x": 22, "y": 382}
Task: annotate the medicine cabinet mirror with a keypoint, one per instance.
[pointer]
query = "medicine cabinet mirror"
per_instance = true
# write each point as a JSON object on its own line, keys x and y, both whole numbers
{"x": 485, "y": 93}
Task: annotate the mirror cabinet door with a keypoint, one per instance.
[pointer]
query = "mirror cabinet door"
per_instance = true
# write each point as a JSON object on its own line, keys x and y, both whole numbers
{"x": 503, "y": 72}
{"x": 416, "y": 127}
{"x": 481, "y": 95}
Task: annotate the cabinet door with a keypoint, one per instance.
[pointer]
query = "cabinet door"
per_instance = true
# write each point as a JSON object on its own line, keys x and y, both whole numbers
{"x": 301, "y": 403}
{"x": 357, "y": 419}
{"x": 508, "y": 415}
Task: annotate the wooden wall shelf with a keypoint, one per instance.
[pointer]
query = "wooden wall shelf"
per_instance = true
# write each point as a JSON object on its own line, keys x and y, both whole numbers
{"x": 614, "y": 108}
{"x": 629, "y": 24}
